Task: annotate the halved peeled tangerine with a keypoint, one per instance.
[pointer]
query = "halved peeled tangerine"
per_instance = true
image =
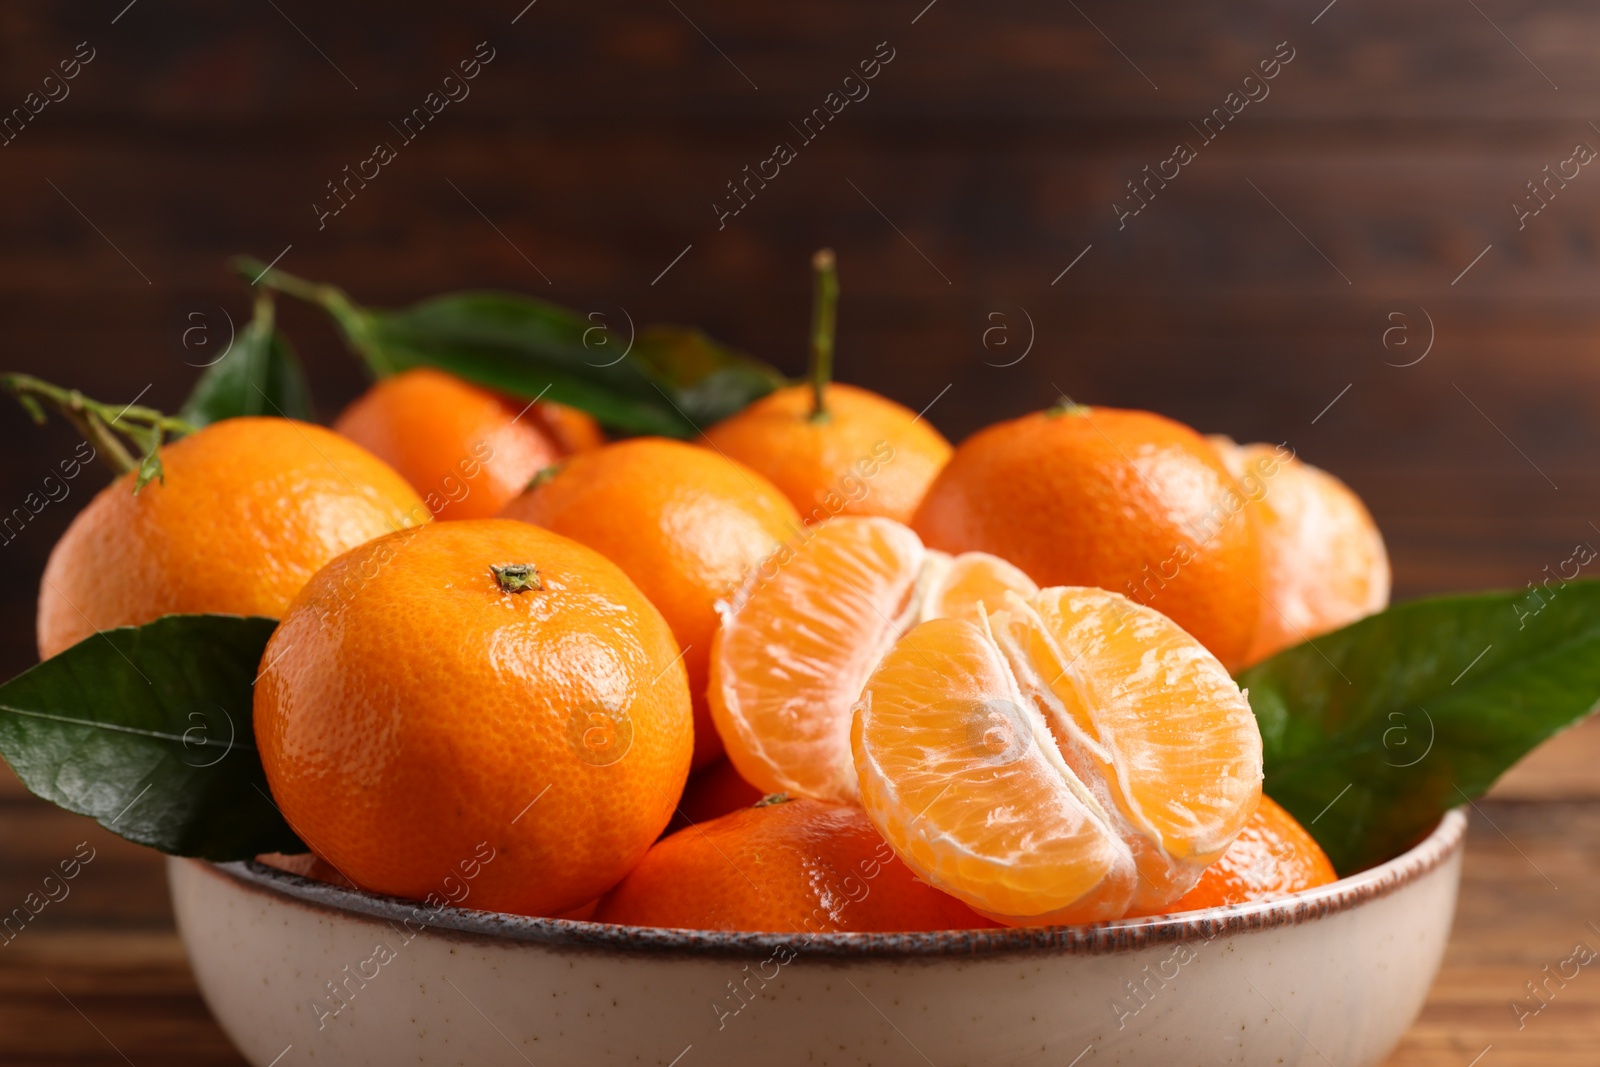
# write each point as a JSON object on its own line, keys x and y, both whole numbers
{"x": 1073, "y": 757}
{"x": 795, "y": 648}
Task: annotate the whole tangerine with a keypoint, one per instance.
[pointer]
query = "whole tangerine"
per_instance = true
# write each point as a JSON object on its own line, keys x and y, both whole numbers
{"x": 1323, "y": 562}
{"x": 867, "y": 455}
{"x": 480, "y": 692}
{"x": 247, "y": 511}
{"x": 686, "y": 524}
{"x": 714, "y": 790}
{"x": 1125, "y": 500}
{"x": 1272, "y": 857}
{"x": 466, "y": 449}
{"x": 835, "y": 449}
{"x": 786, "y": 865}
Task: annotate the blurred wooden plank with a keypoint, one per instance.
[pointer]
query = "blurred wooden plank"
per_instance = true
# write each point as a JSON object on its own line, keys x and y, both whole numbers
{"x": 105, "y": 997}
{"x": 1566, "y": 767}
{"x": 98, "y": 973}
{"x": 116, "y": 882}
{"x": 1526, "y": 902}
{"x": 1431, "y": 58}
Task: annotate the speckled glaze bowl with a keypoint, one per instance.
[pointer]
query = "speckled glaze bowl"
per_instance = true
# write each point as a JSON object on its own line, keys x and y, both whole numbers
{"x": 298, "y": 971}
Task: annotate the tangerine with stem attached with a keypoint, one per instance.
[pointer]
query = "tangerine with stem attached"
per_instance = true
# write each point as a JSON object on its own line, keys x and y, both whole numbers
{"x": 245, "y": 512}
{"x": 475, "y": 688}
{"x": 834, "y": 449}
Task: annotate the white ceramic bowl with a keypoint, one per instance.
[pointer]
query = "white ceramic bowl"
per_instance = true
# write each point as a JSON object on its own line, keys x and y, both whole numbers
{"x": 298, "y": 971}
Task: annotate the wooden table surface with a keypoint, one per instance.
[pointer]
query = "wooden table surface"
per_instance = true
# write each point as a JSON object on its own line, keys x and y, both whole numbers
{"x": 100, "y": 977}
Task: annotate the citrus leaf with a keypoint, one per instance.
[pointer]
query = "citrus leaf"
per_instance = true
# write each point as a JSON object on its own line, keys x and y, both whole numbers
{"x": 1372, "y": 732}
{"x": 708, "y": 381}
{"x": 259, "y": 375}
{"x": 665, "y": 380}
{"x": 148, "y": 731}
{"x": 526, "y": 348}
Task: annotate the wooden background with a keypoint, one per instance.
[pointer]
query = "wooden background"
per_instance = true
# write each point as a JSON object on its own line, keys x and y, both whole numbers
{"x": 1251, "y": 294}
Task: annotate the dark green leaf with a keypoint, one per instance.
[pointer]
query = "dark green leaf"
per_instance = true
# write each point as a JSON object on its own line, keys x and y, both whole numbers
{"x": 526, "y": 348}
{"x": 666, "y": 380}
{"x": 1372, "y": 732}
{"x": 148, "y": 730}
{"x": 259, "y": 375}
{"x": 707, "y": 381}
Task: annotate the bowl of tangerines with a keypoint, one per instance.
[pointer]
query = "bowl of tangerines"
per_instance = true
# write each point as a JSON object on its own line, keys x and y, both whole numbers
{"x": 590, "y": 697}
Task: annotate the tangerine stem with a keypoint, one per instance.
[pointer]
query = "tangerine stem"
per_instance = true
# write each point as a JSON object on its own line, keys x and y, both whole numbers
{"x": 99, "y": 422}
{"x": 351, "y": 318}
{"x": 824, "y": 317}
{"x": 516, "y": 577}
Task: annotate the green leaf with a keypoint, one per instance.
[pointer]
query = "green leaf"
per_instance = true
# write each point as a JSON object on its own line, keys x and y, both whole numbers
{"x": 148, "y": 731}
{"x": 708, "y": 381}
{"x": 526, "y": 348}
{"x": 1372, "y": 732}
{"x": 259, "y": 375}
{"x": 667, "y": 380}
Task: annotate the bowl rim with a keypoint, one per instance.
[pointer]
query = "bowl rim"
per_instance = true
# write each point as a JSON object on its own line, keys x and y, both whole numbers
{"x": 1120, "y": 935}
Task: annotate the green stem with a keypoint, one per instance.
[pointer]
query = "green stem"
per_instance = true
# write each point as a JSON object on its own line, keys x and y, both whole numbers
{"x": 351, "y": 318}
{"x": 100, "y": 423}
{"x": 824, "y": 316}
{"x": 265, "y": 313}
{"x": 1066, "y": 406}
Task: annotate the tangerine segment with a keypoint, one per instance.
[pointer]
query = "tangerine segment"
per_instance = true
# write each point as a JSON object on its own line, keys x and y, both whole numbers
{"x": 959, "y": 773}
{"x": 970, "y": 584}
{"x": 1075, "y": 756}
{"x": 1148, "y": 718}
{"x": 789, "y": 661}
{"x": 792, "y": 654}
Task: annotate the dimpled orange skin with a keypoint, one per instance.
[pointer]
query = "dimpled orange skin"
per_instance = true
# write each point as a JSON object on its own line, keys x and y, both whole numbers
{"x": 1125, "y": 500}
{"x": 870, "y": 456}
{"x": 686, "y": 524}
{"x": 250, "y": 509}
{"x": 799, "y": 866}
{"x": 412, "y": 716}
{"x": 1273, "y": 856}
{"x": 465, "y": 449}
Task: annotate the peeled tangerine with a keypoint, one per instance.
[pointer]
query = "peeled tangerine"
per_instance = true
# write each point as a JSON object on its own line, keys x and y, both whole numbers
{"x": 805, "y": 631}
{"x": 1071, "y": 758}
